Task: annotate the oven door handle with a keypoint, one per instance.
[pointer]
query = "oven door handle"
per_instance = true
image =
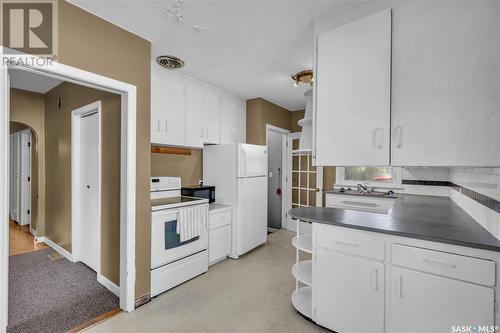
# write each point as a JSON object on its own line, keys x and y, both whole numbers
{"x": 165, "y": 212}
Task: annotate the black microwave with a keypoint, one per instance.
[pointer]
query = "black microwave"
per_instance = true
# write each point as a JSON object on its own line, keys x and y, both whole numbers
{"x": 199, "y": 191}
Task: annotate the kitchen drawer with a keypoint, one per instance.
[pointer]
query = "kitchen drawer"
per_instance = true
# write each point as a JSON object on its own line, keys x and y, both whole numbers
{"x": 173, "y": 274}
{"x": 219, "y": 219}
{"x": 455, "y": 266}
{"x": 219, "y": 244}
{"x": 349, "y": 242}
{"x": 361, "y": 203}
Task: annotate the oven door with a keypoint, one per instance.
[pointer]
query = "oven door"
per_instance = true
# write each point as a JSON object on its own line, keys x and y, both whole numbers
{"x": 166, "y": 246}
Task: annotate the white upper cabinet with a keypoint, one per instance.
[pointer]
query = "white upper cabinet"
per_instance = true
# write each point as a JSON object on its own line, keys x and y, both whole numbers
{"x": 186, "y": 112}
{"x": 168, "y": 109}
{"x": 446, "y": 110}
{"x": 202, "y": 115}
{"x": 232, "y": 116}
{"x": 352, "y": 114}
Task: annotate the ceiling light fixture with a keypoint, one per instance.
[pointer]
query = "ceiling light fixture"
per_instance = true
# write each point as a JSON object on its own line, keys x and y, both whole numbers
{"x": 176, "y": 11}
{"x": 305, "y": 76}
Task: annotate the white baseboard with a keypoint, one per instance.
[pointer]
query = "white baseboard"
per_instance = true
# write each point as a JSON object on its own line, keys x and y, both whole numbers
{"x": 108, "y": 284}
{"x": 56, "y": 248}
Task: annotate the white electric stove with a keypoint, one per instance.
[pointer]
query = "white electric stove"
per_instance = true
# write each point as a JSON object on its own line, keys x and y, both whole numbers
{"x": 172, "y": 261}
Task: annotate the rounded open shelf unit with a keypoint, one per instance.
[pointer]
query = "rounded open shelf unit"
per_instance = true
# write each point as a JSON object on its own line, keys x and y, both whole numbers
{"x": 302, "y": 271}
{"x": 304, "y": 122}
{"x": 303, "y": 243}
{"x": 301, "y": 301}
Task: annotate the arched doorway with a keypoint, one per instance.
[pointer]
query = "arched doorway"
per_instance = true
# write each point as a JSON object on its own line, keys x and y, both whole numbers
{"x": 23, "y": 188}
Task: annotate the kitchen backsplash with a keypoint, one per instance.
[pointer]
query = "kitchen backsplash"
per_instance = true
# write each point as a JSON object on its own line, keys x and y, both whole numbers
{"x": 475, "y": 190}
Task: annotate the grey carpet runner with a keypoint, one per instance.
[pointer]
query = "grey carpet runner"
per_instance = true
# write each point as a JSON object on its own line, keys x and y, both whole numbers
{"x": 53, "y": 295}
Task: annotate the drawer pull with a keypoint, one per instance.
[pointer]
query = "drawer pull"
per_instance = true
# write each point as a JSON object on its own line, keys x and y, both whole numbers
{"x": 439, "y": 264}
{"x": 347, "y": 244}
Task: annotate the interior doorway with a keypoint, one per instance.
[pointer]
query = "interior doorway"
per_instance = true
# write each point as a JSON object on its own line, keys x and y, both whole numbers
{"x": 121, "y": 266}
{"x": 306, "y": 185}
{"x": 277, "y": 176}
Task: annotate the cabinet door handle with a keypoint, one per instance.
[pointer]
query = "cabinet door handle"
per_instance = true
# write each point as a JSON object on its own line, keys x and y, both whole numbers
{"x": 399, "y": 286}
{"x": 206, "y": 132}
{"x": 158, "y": 126}
{"x": 439, "y": 264}
{"x": 166, "y": 126}
{"x": 201, "y": 132}
{"x": 398, "y": 133}
{"x": 377, "y": 137}
{"x": 347, "y": 244}
{"x": 375, "y": 279}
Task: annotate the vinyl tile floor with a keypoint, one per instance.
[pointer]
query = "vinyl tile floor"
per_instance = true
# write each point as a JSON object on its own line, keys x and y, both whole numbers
{"x": 252, "y": 294}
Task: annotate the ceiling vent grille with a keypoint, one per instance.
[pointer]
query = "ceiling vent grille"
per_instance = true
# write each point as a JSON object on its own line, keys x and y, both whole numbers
{"x": 169, "y": 62}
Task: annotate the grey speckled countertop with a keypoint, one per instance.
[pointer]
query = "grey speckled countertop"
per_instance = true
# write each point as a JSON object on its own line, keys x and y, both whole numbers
{"x": 436, "y": 219}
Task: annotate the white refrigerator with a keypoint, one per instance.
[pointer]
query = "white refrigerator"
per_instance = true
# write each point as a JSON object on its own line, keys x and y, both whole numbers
{"x": 239, "y": 174}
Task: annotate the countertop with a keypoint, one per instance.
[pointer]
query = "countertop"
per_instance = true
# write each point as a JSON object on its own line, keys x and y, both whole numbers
{"x": 214, "y": 207}
{"x": 436, "y": 219}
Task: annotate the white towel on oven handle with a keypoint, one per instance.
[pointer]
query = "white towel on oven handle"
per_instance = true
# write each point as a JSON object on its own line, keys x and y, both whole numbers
{"x": 192, "y": 222}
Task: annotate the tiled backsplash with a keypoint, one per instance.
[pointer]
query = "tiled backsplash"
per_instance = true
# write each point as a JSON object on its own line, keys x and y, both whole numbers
{"x": 431, "y": 177}
{"x": 485, "y": 181}
{"x": 476, "y": 190}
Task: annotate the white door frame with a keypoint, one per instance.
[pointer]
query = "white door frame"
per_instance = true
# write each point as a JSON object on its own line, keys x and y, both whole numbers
{"x": 128, "y": 95}
{"x": 76, "y": 224}
{"x": 284, "y": 169}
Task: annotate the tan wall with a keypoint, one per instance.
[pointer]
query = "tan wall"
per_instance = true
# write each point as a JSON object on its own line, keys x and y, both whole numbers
{"x": 261, "y": 112}
{"x": 28, "y": 108}
{"x": 95, "y": 45}
{"x": 294, "y": 118}
{"x": 189, "y": 168}
{"x": 58, "y": 176}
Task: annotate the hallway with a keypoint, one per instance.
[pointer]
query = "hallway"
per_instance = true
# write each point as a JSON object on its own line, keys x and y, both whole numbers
{"x": 21, "y": 240}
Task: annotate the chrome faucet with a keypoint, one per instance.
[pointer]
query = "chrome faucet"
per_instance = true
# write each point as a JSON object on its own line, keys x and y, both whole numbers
{"x": 362, "y": 189}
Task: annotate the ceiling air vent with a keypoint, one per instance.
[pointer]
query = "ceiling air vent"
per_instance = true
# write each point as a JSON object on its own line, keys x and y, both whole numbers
{"x": 169, "y": 62}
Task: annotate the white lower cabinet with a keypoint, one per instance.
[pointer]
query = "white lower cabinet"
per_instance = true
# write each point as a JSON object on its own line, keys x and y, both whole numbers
{"x": 348, "y": 292}
{"x": 422, "y": 302}
{"x": 219, "y": 244}
{"x": 371, "y": 282}
{"x": 219, "y": 233}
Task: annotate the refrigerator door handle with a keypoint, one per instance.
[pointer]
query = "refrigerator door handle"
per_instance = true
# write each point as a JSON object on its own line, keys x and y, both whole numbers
{"x": 244, "y": 162}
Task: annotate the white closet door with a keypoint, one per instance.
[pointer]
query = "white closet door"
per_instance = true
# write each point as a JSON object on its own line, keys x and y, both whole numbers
{"x": 15, "y": 177}
{"x": 25, "y": 178}
{"x": 89, "y": 190}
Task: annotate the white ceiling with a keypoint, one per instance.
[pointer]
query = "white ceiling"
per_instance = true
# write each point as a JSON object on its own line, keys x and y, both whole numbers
{"x": 250, "y": 48}
{"x": 24, "y": 80}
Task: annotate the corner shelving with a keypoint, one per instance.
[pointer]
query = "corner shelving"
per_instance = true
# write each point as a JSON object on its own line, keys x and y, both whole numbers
{"x": 301, "y": 301}
{"x": 303, "y": 243}
{"x": 304, "y": 122}
{"x": 302, "y": 272}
